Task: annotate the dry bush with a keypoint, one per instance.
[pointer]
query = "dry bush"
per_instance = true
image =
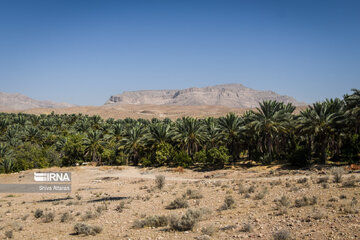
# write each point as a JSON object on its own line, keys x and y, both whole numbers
{"x": 350, "y": 182}
{"x": 209, "y": 230}
{"x": 283, "y": 234}
{"x": 25, "y": 217}
{"x": 261, "y": 194}
{"x": 81, "y": 228}
{"x": 229, "y": 203}
{"x": 337, "y": 172}
{"x": 65, "y": 217}
{"x": 9, "y": 234}
{"x": 120, "y": 207}
{"x": 38, "y": 213}
{"x": 305, "y": 201}
{"x": 247, "y": 227}
{"x": 49, "y": 217}
{"x": 323, "y": 179}
{"x": 89, "y": 215}
{"x": 302, "y": 180}
{"x": 319, "y": 214}
{"x": 193, "y": 194}
{"x": 186, "y": 221}
{"x": 160, "y": 181}
{"x": 178, "y": 203}
{"x": 325, "y": 185}
{"x": 282, "y": 202}
{"x": 151, "y": 221}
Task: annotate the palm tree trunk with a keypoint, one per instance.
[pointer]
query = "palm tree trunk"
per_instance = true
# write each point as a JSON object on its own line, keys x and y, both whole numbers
{"x": 323, "y": 151}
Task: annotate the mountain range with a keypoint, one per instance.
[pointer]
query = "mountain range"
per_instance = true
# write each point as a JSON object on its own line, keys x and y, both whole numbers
{"x": 17, "y": 101}
{"x": 229, "y": 95}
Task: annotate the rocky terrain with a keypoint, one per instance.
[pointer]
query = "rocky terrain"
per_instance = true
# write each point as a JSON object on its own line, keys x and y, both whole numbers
{"x": 229, "y": 95}
{"x": 16, "y": 101}
{"x": 135, "y": 203}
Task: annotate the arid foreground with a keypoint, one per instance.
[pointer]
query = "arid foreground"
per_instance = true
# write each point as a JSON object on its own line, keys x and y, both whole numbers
{"x": 128, "y": 203}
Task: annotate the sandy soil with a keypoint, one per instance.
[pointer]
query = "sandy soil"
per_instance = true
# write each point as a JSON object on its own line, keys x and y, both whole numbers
{"x": 334, "y": 215}
{"x": 121, "y": 111}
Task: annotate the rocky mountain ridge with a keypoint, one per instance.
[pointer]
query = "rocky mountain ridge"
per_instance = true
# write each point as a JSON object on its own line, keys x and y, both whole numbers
{"x": 17, "y": 101}
{"x": 229, "y": 95}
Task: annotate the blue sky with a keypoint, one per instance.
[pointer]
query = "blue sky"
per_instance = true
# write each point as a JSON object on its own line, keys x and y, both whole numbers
{"x": 82, "y": 52}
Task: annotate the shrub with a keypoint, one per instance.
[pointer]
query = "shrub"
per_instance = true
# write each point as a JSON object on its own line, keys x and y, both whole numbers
{"x": 184, "y": 222}
{"x": 178, "y": 203}
{"x": 261, "y": 194}
{"x": 151, "y": 221}
{"x": 337, "y": 172}
{"x": 49, "y": 217}
{"x": 209, "y": 230}
{"x": 120, "y": 207}
{"x": 65, "y": 217}
{"x": 283, "y": 202}
{"x": 160, "y": 181}
{"x": 38, "y": 213}
{"x": 305, "y": 201}
{"x": 229, "y": 203}
{"x": 182, "y": 159}
{"x": 247, "y": 227}
{"x": 9, "y": 234}
{"x": 323, "y": 179}
{"x": 89, "y": 215}
{"x": 350, "y": 182}
{"x": 193, "y": 194}
{"x": 282, "y": 235}
{"x": 81, "y": 228}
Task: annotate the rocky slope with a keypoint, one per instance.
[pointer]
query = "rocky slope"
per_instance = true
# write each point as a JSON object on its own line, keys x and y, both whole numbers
{"x": 16, "y": 101}
{"x": 229, "y": 95}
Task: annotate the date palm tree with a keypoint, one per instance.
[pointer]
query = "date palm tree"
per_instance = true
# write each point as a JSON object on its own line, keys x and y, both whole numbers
{"x": 93, "y": 143}
{"x": 230, "y": 128}
{"x": 268, "y": 124}
{"x": 190, "y": 134}
{"x": 133, "y": 141}
{"x": 320, "y": 120}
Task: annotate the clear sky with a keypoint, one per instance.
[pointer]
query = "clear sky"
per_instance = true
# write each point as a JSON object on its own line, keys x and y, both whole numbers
{"x": 82, "y": 52}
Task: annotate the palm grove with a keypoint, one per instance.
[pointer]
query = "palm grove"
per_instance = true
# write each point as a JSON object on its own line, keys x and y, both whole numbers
{"x": 324, "y": 131}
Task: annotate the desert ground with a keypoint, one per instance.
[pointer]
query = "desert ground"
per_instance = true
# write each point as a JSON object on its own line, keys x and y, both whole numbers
{"x": 121, "y": 111}
{"x": 129, "y": 203}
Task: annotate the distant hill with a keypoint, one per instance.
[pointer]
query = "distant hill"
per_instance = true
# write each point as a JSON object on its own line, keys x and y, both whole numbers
{"x": 229, "y": 95}
{"x": 16, "y": 101}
